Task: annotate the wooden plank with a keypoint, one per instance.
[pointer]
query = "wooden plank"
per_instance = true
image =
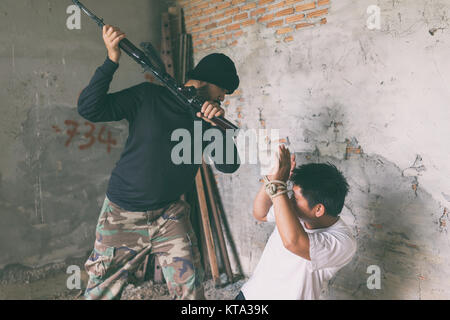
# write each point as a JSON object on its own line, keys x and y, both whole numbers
{"x": 218, "y": 224}
{"x": 166, "y": 44}
{"x": 207, "y": 228}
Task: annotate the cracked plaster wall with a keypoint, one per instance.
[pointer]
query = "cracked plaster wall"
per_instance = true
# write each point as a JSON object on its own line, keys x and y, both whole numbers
{"x": 375, "y": 103}
{"x": 51, "y": 189}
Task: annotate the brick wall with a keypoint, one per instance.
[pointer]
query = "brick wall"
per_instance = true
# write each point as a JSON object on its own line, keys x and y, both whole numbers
{"x": 217, "y": 24}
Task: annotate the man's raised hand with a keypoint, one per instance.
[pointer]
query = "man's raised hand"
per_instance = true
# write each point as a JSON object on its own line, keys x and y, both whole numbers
{"x": 283, "y": 170}
{"x": 112, "y": 37}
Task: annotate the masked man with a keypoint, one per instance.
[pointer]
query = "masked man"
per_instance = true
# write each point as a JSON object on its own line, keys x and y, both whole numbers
{"x": 142, "y": 213}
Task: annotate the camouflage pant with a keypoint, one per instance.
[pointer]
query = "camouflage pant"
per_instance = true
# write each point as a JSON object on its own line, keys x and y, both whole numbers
{"x": 125, "y": 238}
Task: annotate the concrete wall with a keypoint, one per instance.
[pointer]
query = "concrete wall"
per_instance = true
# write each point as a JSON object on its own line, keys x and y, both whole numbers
{"x": 373, "y": 102}
{"x": 51, "y": 190}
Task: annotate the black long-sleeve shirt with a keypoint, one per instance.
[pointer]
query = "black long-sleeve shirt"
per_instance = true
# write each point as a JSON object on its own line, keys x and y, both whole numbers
{"x": 145, "y": 177}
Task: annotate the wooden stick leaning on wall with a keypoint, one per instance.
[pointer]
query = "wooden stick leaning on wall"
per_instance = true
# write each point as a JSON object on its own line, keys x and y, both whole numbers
{"x": 207, "y": 228}
{"x": 217, "y": 223}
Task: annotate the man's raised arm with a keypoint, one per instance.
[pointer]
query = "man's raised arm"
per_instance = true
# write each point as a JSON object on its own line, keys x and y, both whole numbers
{"x": 94, "y": 104}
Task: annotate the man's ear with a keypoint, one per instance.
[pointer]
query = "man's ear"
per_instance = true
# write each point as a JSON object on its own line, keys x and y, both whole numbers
{"x": 319, "y": 210}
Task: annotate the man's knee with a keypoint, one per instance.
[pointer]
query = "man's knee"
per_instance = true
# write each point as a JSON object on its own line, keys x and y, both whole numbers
{"x": 182, "y": 269}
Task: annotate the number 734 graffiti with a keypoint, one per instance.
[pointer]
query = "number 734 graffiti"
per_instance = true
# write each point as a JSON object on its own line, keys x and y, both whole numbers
{"x": 89, "y": 133}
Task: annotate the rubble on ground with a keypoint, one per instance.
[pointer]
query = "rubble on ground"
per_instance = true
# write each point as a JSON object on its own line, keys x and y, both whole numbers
{"x": 150, "y": 291}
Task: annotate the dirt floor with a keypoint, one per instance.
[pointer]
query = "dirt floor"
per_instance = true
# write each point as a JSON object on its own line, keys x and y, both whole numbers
{"x": 50, "y": 283}
{"x": 150, "y": 291}
{"x": 54, "y": 288}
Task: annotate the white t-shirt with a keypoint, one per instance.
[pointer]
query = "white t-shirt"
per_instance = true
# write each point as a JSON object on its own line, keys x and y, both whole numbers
{"x": 283, "y": 275}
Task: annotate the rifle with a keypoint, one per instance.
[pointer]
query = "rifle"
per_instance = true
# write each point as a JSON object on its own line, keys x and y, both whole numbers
{"x": 187, "y": 96}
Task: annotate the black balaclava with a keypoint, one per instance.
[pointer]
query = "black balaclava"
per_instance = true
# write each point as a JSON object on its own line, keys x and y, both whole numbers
{"x": 217, "y": 69}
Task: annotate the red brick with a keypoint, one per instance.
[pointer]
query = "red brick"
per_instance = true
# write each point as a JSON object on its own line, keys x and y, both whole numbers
{"x": 295, "y": 18}
{"x": 235, "y": 26}
{"x": 241, "y": 16}
{"x": 306, "y": 6}
{"x": 266, "y": 18}
{"x": 198, "y": 42}
{"x": 226, "y": 21}
{"x": 288, "y": 39}
{"x": 205, "y": 20}
{"x": 248, "y": 22}
{"x": 207, "y": 12}
{"x": 210, "y": 40}
{"x": 203, "y": 35}
{"x": 289, "y": 2}
{"x": 276, "y": 5}
{"x": 323, "y": 2}
{"x": 192, "y": 23}
{"x": 317, "y": 13}
{"x": 202, "y": 6}
{"x": 301, "y": 25}
{"x": 284, "y": 30}
{"x": 197, "y": 29}
{"x": 263, "y": 2}
{"x": 210, "y": 26}
{"x": 276, "y": 23}
{"x": 284, "y": 12}
{"x": 249, "y": 6}
{"x": 218, "y": 31}
{"x": 238, "y": 34}
{"x": 225, "y": 37}
{"x": 191, "y": 3}
{"x": 231, "y": 11}
{"x": 258, "y": 12}
{"x": 196, "y": 14}
{"x": 354, "y": 150}
{"x": 219, "y": 16}
{"x": 235, "y": 2}
{"x": 224, "y": 5}
{"x": 323, "y": 20}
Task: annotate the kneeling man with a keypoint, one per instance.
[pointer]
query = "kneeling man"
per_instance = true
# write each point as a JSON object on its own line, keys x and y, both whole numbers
{"x": 310, "y": 242}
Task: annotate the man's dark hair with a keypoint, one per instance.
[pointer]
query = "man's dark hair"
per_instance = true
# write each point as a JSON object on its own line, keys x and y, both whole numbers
{"x": 322, "y": 183}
